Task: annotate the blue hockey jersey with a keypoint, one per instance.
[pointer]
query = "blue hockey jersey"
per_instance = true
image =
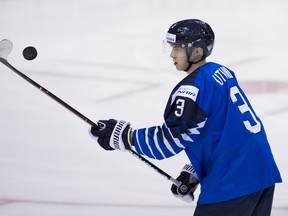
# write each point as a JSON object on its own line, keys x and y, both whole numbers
{"x": 210, "y": 118}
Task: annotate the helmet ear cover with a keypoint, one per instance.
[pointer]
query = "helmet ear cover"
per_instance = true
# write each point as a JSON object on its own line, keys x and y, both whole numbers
{"x": 190, "y": 46}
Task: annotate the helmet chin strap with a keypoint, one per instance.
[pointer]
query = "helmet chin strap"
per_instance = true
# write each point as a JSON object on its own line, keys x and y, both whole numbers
{"x": 189, "y": 66}
{"x": 190, "y": 63}
{"x": 189, "y": 53}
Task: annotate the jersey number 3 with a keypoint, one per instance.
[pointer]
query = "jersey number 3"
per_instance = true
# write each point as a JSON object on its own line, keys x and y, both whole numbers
{"x": 244, "y": 108}
{"x": 180, "y": 107}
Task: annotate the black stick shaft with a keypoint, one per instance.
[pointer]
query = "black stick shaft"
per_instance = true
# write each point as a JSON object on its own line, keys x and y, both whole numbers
{"x": 80, "y": 115}
{"x": 160, "y": 171}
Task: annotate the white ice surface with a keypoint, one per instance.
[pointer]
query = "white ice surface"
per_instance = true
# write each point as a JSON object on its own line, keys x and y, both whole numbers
{"x": 105, "y": 59}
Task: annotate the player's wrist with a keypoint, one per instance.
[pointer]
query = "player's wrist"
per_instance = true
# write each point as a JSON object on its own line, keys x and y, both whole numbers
{"x": 131, "y": 137}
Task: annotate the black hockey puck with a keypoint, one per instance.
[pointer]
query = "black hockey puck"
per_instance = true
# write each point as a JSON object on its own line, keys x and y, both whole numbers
{"x": 30, "y": 53}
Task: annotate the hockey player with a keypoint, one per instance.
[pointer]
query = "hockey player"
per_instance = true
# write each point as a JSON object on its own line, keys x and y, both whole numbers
{"x": 209, "y": 117}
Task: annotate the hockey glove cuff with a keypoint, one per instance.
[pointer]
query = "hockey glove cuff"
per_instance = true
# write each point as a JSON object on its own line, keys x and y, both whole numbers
{"x": 113, "y": 135}
{"x": 189, "y": 183}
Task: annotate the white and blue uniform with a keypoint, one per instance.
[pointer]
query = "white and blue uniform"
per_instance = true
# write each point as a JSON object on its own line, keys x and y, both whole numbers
{"x": 210, "y": 118}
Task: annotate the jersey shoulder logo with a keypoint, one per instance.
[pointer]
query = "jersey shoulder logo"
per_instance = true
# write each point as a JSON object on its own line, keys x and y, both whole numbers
{"x": 187, "y": 91}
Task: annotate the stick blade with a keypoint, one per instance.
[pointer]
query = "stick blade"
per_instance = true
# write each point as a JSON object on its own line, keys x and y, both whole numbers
{"x": 5, "y": 48}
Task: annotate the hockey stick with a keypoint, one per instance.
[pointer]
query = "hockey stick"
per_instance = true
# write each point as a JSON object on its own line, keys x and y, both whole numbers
{"x": 6, "y": 48}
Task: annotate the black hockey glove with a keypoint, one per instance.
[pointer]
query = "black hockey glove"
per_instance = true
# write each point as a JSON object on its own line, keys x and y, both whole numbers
{"x": 189, "y": 183}
{"x": 113, "y": 135}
